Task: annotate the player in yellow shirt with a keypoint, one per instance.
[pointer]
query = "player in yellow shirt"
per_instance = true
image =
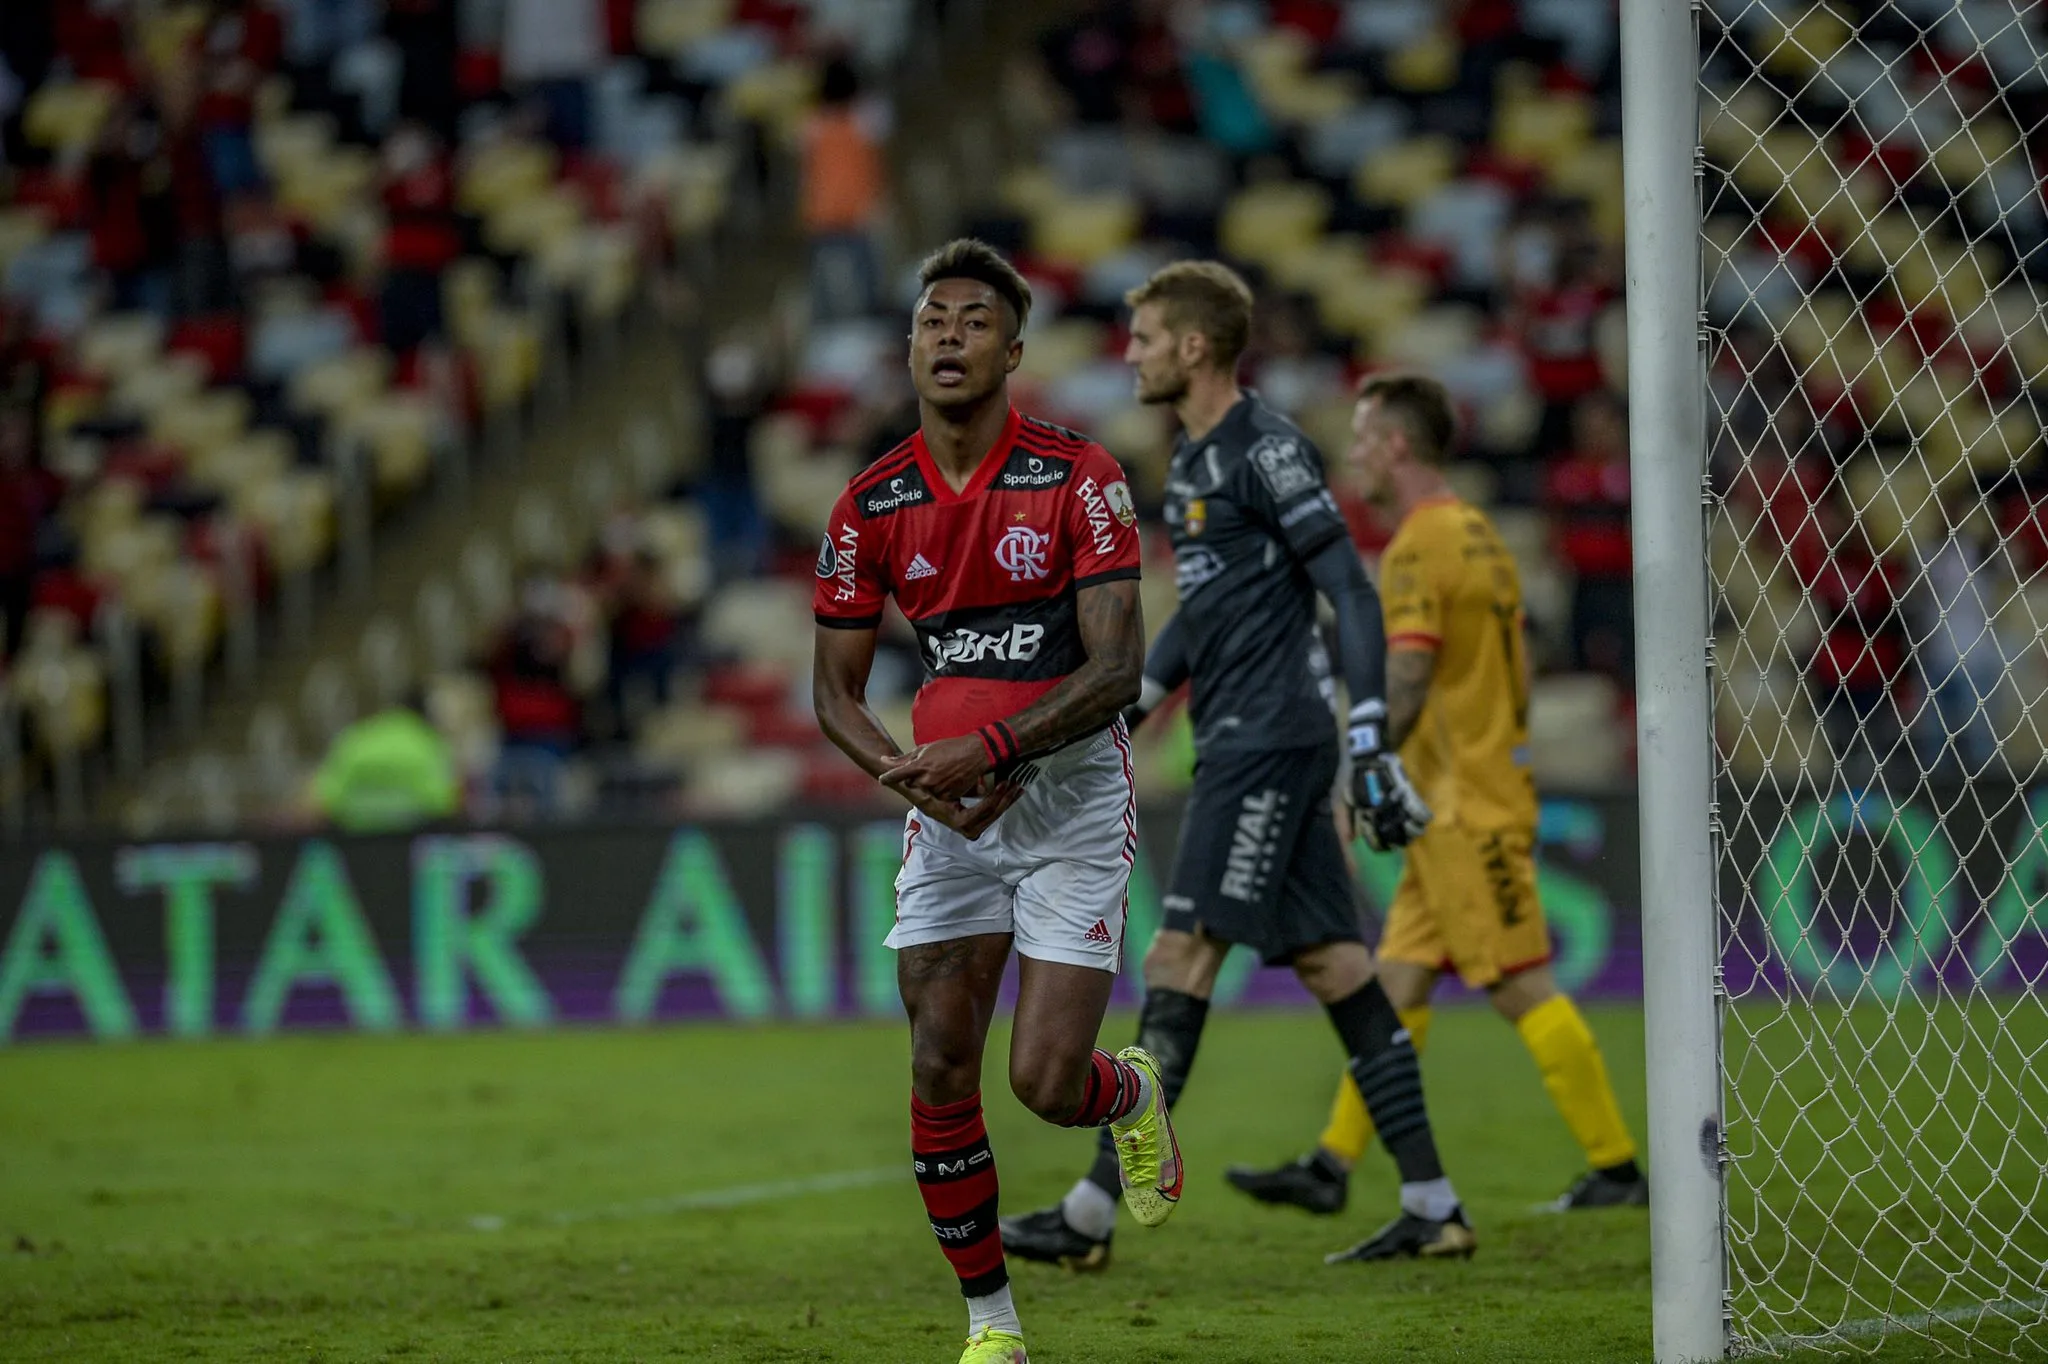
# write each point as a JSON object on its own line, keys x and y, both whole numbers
{"x": 1458, "y": 708}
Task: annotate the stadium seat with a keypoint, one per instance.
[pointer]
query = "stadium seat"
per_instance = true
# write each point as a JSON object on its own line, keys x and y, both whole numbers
{"x": 64, "y": 117}
{"x": 1265, "y": 221}
{"x": 1425, "y": 65}
{"x": 327, "y": 701}
{"x": 1079, "y": 230}
{"x": 1405, "y": 174}
{"x": 1574, "y": 740}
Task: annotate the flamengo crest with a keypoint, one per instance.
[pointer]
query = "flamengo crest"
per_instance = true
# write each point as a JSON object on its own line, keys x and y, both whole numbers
{"x": 1021, "y": 554}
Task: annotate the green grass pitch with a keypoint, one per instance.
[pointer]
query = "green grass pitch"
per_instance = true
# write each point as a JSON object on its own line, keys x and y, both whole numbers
{"x": 617, "y": 1196}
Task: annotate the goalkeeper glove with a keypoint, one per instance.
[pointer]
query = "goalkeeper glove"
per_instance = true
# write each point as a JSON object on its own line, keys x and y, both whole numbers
{"x": 1385, "y": 811}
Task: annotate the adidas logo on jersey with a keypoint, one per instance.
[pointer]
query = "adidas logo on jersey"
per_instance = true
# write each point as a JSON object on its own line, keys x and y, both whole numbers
{"x": 1099, "y": 933}
{"x": 920, "y": 567}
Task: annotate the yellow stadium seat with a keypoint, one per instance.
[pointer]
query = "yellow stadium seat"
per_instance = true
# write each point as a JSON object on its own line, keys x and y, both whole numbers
{"x": 182, "y": 604}
{"x": 504, "y": 173}
{"x": 1427, "y": 65}
{"x": 1372, "y": 306}
{"x": 254, "y": 457}
{"x": 1311, "y": 267}
{"x": 1029, "y": 190}
{"x": 1082, "y": 229}
{"x": 341, "y": 383}
{"x": 756, "y": 782}
{"x": 166, "y": 379}
{"x": 1408, "y": 172}
{"x": 1435, "y": 337}
{"x": 1546, "y": 130}
{"x": 65, "y": 116}
{"x": 672, "y": 25}
{"x": 288, "y": 145}
{"x": 398, "y": 431}
{"x": 1985, "y": 141}
{"x": 694, "y": 182}
{"x": 530, "y": 224}
{"x": 131, "y": 552}
{"x": 1058, "y": 348}
{"x": 1764, "y": 169}
{"x": 1730, "y": 126}
{"x": 1574, "y": 739}
{"x": 204, "y": 421}
{"x": 118, "y": 344}
{"x": 1264, "y": 221}
{"x": 507, "y": 348}
{"x": 1137, "y": 436}
{"x": 777, "y": 96}
{"x": 1893, "y": 503}
{"x": 678, "y": 736}
{"x": 1510, "y": 421}
{"x": 1796, "y": 49}
{"x": 468, "y": 292}
{"x": 1592, "y": 172}
{"x": 801, "y": 495}
{"x": 296, "y": 516}
{"x": 20, "y": 229}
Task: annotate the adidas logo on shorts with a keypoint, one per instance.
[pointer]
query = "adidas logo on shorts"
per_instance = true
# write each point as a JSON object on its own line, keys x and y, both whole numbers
{"x": 920, "y": 567}
{"x": 1099, "y": 933}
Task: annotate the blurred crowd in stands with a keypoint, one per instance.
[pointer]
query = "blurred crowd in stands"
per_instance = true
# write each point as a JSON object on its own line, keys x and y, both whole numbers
{"x": 236, "y": 228}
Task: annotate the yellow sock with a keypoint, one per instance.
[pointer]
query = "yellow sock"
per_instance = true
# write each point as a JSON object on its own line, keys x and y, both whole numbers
{"x": 1576, "y": 1076}
{"x": 1350, "y": 1129}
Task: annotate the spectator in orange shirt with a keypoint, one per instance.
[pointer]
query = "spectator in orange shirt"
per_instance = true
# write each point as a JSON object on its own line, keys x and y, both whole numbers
{"x": 843, "y": 185}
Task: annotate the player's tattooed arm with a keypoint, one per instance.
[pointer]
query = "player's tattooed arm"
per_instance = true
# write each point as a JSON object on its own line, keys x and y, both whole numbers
{"x": 1409, "y": 672}
{"x": 1113, "y": 636}
{"x": 840, "y": 663}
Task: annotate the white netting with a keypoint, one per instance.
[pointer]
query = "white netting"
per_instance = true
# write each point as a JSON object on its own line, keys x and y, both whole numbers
{"x": 1876, "y": 279}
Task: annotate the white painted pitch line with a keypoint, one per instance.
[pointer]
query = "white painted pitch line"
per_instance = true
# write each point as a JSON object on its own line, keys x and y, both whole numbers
{"x": 2015, "y": 1311}
{"x": 733, "y": 1196}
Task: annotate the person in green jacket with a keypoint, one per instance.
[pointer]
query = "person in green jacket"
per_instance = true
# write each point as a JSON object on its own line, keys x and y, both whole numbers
{"x": 387, "y": 772}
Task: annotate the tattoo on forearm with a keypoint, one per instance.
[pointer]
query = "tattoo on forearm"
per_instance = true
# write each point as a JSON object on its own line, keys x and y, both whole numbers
{"x": 935, "y": 961}
{"x": 1408, "y": 676}
{"x": 1090, "y": 697}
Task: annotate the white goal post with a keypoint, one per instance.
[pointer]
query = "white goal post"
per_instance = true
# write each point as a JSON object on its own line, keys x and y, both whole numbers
{"x": 1838, "y": 347}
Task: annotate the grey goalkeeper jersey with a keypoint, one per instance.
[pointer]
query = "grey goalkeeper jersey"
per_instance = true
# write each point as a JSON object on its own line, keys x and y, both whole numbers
{"x": 1246, "y": 506}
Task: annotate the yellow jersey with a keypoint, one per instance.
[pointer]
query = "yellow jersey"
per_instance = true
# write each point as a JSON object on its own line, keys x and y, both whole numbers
{"x": 1447, "y": 583}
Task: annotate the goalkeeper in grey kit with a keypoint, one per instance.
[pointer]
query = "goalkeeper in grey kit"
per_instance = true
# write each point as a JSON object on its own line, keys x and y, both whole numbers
{"x": 1256, "y": 537}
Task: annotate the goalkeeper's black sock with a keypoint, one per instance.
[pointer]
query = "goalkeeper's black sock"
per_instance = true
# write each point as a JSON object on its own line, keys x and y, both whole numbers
{"x": 1170, "y": 1027}
{"x": 1389, "y": 1079}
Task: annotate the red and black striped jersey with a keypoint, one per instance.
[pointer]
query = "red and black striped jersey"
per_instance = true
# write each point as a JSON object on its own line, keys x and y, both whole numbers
{"x": 986, "y": 576}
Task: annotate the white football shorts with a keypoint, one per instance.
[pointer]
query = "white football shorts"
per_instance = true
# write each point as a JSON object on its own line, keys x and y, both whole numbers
{"x": 1054, "y": 870}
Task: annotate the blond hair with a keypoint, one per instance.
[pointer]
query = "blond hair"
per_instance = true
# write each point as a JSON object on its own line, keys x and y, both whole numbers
{"x": 1203, "y": 296}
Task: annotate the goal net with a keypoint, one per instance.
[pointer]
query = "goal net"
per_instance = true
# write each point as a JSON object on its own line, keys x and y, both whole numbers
{"x": 1875, "y": 272}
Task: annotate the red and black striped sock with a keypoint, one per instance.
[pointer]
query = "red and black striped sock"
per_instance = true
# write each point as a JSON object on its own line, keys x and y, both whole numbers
{"x": 956, "y": 1175}
{"x": 1113, "y": 1091}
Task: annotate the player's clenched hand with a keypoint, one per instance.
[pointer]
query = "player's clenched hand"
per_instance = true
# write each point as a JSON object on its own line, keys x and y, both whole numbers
{"x": 1385, "y": 810}
{"x": 969, "y": 821}
{"x": 947, "y": 769}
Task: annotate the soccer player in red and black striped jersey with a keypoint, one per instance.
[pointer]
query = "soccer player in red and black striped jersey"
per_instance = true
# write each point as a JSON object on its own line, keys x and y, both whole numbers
{"x": 1011, "y": 546}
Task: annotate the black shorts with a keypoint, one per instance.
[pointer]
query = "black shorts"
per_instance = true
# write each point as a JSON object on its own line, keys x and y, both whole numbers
{"x": 1259, "y": 861}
